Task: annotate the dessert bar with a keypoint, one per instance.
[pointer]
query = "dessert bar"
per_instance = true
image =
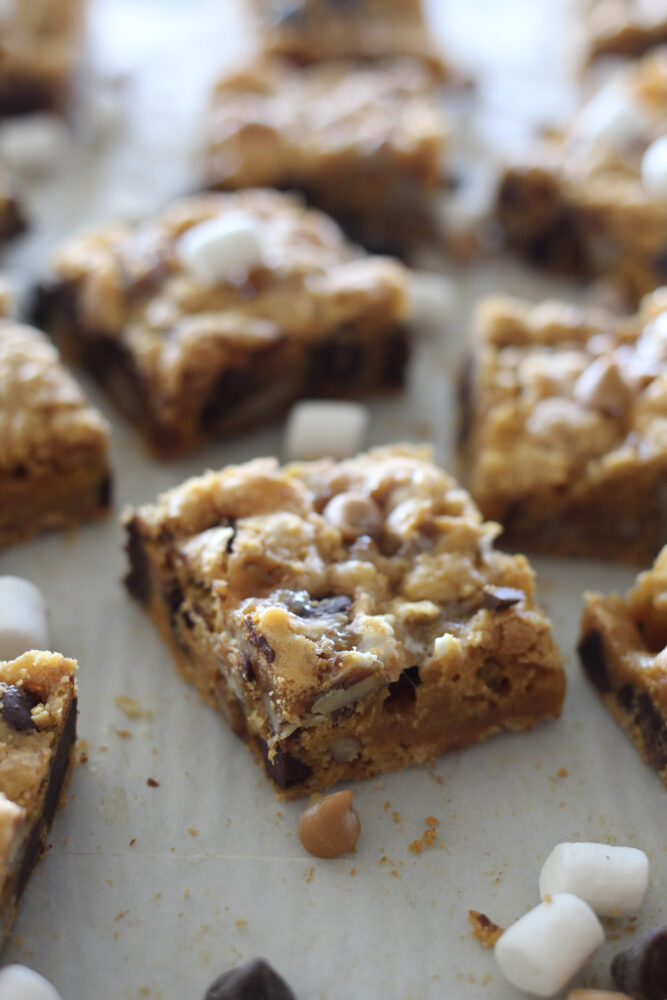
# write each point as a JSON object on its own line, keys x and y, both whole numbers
{"x": 307, "y": 31}
{"x": 624, "y": 27}
{"x": 54, "y": 470}
{"x": 39, "y": 45}
{"x": 589, "y": 201}
{"x": 188, "y": 354}
{"x": 564, "y": 426}
{"x": 623, "y": 651}
{"x": 364, "y": 142}
{"x": 347, "y": 618}
{"x": 37, "y": 737}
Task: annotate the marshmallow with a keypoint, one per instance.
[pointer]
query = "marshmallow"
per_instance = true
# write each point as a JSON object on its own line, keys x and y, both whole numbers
{"x": 431, "y": 299}
{"x": 33, "y": 145}
{"x": 654, "y": 169}
{"x": 22, "y": 618}
{"x": 319, "y": 429}
{"x": 17, "y": 982}
{"x": 221, "y": 247}
{"x": 612, "y": 880}
{"x": 542, "y": 951}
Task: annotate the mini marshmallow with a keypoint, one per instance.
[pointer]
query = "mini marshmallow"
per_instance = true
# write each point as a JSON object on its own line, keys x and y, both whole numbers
{"x": 654, "y": 169}
{"x": 221, "y": 247}
{"x": 17, "y": 982}
{"x": 22, "y": 618}
{"x": 543, "y": 950}
{"x": 33, "y": 145}
{"x": 319, "y": 429}
{"x": 431, "y": 299}
{"x": 612, "y": 880}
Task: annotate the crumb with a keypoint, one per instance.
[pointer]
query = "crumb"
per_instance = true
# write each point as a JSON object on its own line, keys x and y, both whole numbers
{"x": 383, "y": 860}
{"x": 193, "y": 832}
{"x": 133, "y": 842}
{"x": 417, "y": 846}
{"x": 103, "y": 748}
{"x": 394, "y": 873}
{"x": 82, "y": 750}
{"x": 186, "y": 894}
{"x": 429, "y": 838}
{"x": 396, "y": 816}
{"x": 108, "y": 881}
{"x": 240, "y": 923}
{"x": 158, "y": 895}
{"x": 387, "y": 806}
{"x": 124, "y": 734}
{"x": 562, "y": 772}
{"x": 152, "y": 783}
{"x": 129, "y": 706}
{"x": 353, "y": 872}
{"x": 123, "y": 913}
{"x": 432, "y": 821}
{"x": 484, "y": 929}
{"x": 308, "y": 874}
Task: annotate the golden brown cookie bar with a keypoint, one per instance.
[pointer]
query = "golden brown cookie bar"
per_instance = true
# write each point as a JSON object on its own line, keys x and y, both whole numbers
{"x": 39, "y": 50}
{"x": 365, "y": 143}
{"x": 347, "y": 619}
{"x": 54, "y": 470}
{"x": 308, "y": 31}
{"x": 623, "y": 650}
{"x": 624, "y": 27}
{"x": 577, "y": 202}
{"x": 564, "y": 426}
{"x": 187, "y": 360}
{"x": 37, "y": 736}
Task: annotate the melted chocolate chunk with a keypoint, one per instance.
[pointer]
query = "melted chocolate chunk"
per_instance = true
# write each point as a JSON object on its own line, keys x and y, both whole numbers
{"x": 17, "y": 704}
{"x": 104, "y": 492}
{"x": 255, "y": 980}
{"x": 396, "y": 356}
{"x": 137, "y": 580}
{"x": 337, "y": 360}
{"x": 259, "y": 641}
{"x": 174, "y": 598}
{"x": 558, "y": 245}
{"x": 641, "y": 970}
{"x": 284, "y": 769}
{"x": 307, "y": 607}
{"x": 654, "y": 731}
{"x": 594, "y": 661}
{"x": 229, "y": 391}
{"x": 625, "y": 696}
{"x": 500, "y": 598}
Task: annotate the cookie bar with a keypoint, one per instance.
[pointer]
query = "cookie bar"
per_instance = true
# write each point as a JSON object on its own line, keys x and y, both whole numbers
{"x": 54, "y": 471}
{"x": 624, "y": 27}
{"x": 623, "y": 651}
{"x": 308, "y": 31}
{"x": 365, "y": 143}
{"x": 564, "y": 426}
{"x": 37, "y": 736}
{"x": 189, "y": 359}
{"x": 39, "y": 49}
{"x": 347, "y": 618}
{"x": 580, "y": 204}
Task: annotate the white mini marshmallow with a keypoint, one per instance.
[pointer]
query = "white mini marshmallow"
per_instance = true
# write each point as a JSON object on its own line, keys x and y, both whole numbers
{"x": 612, "y": 880}
{"x": 33, "y": 145}
{"x": 318, "y": 429}
{"x": 23, "y": 623}
{"x": 654, "y": 169}
{"x": 17, "y": 982}
{"x": 221, "y": 247}
{"x": 432, "y": 297}
{"x": 542, "y": 951}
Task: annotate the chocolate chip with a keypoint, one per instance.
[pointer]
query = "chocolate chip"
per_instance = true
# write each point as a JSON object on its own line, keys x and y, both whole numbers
{"x": 173, "y": 597}
{"x": 307, "y": 607}
{"x": 500, "y": 598}
{"x": 17, "y": 705}
{"x": 104, "y": 492}
{"x": 403, "y": 692}
{"x": 641, "y": 970}
{"x": 625, "y": 696}
{"x": 230, "y": 390}
{"x": 594, "y": 661}
{"x": 558, "y": 245}
{"x": 259, "y": 641}
{"x": 137, "y": 579}
{"x": 255, "y": 980}
{"x": 283, "y": 768}
{"x": 337, "y": 361}
{"x": 396, "y": 353}
{"x": 654, "y": 731}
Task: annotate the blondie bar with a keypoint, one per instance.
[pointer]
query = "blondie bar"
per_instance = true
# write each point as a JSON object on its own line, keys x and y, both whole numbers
{"x": 580, "y": 202}
{"x": 39, "y": 50}
{"x": 623, "y": 651}
{"x": 188, "y": 358}
{"x": 624, "y": 27}
{"x": 363, "y": 142}
{"x": 347, "y": 618}
{"x": 564, "y": 426}
{"x": 307, "y": 31}
{"x": 37, "y": 737}
{"x": 54, "y": 470}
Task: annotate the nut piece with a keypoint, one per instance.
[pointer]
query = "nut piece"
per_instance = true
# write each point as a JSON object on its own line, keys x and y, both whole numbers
{"x": 353, "y": 514}
{"x": 330, "y": 827}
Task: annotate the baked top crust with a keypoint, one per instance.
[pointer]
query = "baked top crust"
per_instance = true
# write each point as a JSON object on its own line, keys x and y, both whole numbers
{"x": 563, "y": 397}
{"x": 45, "y": 418}
{"x": 272, "y": 122}
{"x": 333, "y": 615}
{"x": 624, "y": 27}
{"x": 39, "y": 45}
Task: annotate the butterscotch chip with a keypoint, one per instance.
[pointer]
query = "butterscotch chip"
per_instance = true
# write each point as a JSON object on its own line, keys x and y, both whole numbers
{"x": 331, "y": 826}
